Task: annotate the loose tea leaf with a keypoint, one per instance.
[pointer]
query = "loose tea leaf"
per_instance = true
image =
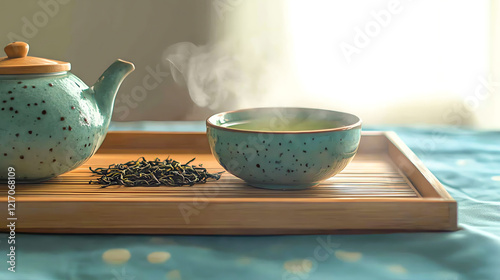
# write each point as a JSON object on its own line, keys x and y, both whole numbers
{"x": 159, "y": 172}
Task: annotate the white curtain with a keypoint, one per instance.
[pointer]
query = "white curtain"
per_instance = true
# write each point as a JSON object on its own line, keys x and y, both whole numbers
{"x": 396, "y": 61}
{"x": 389, "y": 61}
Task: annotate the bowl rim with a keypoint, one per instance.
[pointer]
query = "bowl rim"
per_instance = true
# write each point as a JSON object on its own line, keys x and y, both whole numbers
{"x": 340, "y": 128}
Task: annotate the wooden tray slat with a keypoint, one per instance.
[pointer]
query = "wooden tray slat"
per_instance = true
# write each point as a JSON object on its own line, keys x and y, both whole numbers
{"x": 385, "y": 187}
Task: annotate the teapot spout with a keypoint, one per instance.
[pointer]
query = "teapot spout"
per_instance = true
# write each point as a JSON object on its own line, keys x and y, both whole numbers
{"x": 108, "y": 84}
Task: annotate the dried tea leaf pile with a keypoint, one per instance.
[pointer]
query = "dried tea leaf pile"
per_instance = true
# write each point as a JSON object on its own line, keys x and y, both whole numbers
{"x": 159, "y": 172}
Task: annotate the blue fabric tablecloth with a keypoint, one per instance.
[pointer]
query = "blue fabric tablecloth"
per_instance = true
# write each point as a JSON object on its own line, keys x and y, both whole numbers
{"x": 467, "y": 162}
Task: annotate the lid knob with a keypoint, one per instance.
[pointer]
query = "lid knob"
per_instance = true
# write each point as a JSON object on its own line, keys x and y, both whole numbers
{"x": 17, "y": 49}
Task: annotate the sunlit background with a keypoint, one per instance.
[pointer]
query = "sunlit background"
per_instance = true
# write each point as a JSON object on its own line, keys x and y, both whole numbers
{"x": 391, "y": 62}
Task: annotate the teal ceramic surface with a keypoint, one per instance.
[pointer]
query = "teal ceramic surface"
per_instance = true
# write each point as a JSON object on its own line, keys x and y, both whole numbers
{"x": 284, "y": 148}
{"x": 52, "y": 123}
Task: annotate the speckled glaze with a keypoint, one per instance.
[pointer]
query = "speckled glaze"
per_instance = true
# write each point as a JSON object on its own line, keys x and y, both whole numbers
{"x": 284, "y": 160}
{"x": 53, "y": 123}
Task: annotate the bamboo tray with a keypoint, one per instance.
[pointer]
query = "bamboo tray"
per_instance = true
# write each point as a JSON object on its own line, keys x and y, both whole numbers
{"x": 386, "y": 188}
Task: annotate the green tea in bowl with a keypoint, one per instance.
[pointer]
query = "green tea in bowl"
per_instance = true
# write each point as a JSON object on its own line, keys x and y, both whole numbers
{"x": 288, "y": 125}
{"x": 284, "y": 148}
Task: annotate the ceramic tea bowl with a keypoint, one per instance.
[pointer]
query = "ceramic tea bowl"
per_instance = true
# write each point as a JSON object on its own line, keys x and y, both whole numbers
{"x": 284, "y": 148}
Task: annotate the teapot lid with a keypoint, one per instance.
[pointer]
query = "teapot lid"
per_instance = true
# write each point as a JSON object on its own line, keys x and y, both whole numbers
{"x": 17, "y": 61}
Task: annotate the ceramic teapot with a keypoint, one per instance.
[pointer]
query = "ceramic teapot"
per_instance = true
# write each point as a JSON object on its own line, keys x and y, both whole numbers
{"x": 51, "y": 122}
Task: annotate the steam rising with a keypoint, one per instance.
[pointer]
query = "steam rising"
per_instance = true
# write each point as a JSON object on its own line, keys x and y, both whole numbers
{"x": 247, "y": 62}
{"x": 220, "y": 76}
{"x": 210, "y": 75}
